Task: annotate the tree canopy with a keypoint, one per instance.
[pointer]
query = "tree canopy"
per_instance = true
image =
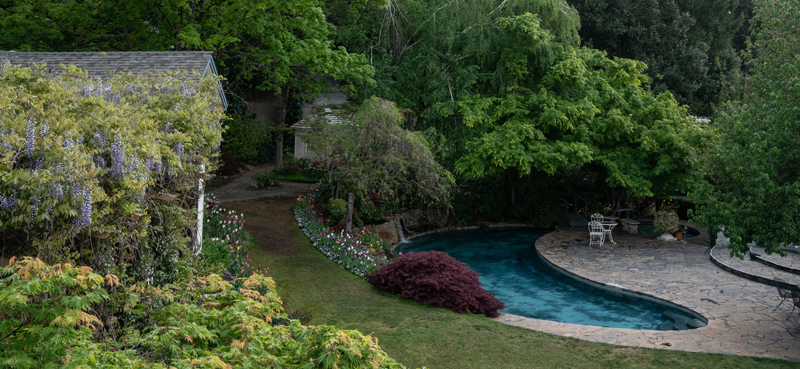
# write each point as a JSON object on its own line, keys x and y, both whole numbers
{"x": 563, "y": 106}
{"x": 688, "y": 45}
{"x": 753, "y": 168}
{"x": 277, "y": 46}
{"x": 370, "y": 153}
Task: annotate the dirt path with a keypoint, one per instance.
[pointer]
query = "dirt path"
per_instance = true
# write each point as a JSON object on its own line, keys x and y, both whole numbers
{"x": 237, "y": 189}
{"x": 271, "y": 221}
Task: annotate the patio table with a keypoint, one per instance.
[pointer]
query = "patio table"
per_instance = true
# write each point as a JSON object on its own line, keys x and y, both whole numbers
{"x": 608, "y": 225}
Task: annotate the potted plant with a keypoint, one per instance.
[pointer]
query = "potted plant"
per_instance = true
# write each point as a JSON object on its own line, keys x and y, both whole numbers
{"x": 666, "y": 221}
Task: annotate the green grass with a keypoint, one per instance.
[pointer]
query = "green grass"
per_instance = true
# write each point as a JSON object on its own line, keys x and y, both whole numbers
{"x": 420, "y": 336}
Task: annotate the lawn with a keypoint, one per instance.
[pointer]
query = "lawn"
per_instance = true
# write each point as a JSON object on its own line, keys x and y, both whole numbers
{"x": 420, "y": 336}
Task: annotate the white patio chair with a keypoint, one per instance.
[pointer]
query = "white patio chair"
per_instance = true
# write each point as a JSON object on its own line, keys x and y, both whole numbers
{"x": 596, "y": 234}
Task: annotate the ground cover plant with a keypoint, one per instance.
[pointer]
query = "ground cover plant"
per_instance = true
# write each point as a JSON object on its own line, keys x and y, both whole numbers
{"x": 437, "y": 279}
{"x": 49, "y": 319}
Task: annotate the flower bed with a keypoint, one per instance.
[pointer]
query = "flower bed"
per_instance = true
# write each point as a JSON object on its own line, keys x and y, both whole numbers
{"x": 351, "y": 251}
{"x": 226, "y": 242}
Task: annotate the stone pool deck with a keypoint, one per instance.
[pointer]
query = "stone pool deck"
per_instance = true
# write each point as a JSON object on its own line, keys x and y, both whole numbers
{"x": 740, "y": 313}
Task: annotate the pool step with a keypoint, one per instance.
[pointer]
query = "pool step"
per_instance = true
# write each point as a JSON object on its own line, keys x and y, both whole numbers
{"x": 680, "y": 322}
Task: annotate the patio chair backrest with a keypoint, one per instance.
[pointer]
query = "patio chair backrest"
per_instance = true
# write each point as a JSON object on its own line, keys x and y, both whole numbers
{"x": 784, "y": 293}
{"x": 597, "y": 217}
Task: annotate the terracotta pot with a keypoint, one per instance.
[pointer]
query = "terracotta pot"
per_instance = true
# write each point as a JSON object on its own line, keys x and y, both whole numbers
{"x": 678, "y": 235}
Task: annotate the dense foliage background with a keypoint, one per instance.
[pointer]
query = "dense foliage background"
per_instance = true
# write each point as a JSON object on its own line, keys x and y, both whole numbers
{"x": 752, "y": 186}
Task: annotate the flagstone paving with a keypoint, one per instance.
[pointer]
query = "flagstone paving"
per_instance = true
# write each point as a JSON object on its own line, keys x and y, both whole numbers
{"x": 740, "y": 313}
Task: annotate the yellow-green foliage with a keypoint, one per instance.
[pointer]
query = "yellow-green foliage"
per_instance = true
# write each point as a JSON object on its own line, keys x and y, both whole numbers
{"x": 666, "y": 221}
{"x": 203, "y": 323}
{"x": 45, "y": 311}
{"x": 83, "y": 157}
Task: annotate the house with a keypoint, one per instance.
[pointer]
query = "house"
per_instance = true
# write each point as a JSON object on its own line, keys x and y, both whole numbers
{"x": 303, "y": 127}
{"x": 104, "y": 64}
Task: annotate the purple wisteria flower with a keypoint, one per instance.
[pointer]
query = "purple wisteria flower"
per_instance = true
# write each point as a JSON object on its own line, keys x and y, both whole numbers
{"x": 56, "y": 191}
{"x": 99, "y": 139}
{"x": 99, "y": 161}
{"x": 30, "y": 139}
{"x": 117, "y": 158}
{"x": 38, "y": 163}
{"x": 179, "y": 150}
{"x": 86, "y": 207}
{"x": 8, "y": 202}
{"x": 67, "y": 143}
{"x": 34, "y": 211}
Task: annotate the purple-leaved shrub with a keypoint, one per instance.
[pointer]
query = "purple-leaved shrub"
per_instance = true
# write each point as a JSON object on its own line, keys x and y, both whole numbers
{"x": 435, "y": 278}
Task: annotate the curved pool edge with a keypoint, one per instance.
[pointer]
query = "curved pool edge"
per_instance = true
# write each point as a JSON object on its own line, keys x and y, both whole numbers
{"x": 618, "y": 290}
{"x": 739, "y": 322}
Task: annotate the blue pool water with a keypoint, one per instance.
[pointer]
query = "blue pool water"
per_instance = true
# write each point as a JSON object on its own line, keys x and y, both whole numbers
{"x": 508, "y": 267}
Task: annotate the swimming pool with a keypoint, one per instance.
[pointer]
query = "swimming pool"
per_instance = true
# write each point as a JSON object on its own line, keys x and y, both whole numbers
{"x": 509, "y": 267}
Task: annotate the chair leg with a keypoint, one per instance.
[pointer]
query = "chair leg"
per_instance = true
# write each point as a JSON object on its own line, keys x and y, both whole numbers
{"x": 779, "y": 305}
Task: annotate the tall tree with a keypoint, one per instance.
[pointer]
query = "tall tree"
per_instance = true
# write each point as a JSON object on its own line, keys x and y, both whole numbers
{"x": 753, "y": 169}
{"x": 563, "y": 106}
{"x": 430, "y": 53}
{"x": 271, "y": 45}
{"x": 370, "y": 153}
{"x": 686, "y": 44}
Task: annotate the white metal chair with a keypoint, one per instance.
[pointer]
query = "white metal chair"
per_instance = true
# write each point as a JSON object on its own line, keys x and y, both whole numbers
{"x": 596, "y": 234}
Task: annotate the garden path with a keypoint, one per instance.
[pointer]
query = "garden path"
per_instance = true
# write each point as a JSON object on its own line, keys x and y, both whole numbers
{"x": 237, "y": 190}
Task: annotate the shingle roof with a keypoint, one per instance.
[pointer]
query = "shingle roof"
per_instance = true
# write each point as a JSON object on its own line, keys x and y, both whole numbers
{"x": 102, "y": 64}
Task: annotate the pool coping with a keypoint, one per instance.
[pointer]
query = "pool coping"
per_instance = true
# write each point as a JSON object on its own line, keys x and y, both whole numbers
{"x": 620, "y": 291}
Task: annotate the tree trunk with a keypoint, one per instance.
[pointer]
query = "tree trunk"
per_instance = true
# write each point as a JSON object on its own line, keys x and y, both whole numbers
{"x": 348, "y": 223}
{"x": 279, "y": 149}
{"x": 616, "y": 200}
{"x": 512, "y": 186}
{"x": 283, "y": 103}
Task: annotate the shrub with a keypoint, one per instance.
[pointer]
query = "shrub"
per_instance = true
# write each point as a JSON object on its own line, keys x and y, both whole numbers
{"x": 435, "y": 278}
{"x": 45, "y": 311}
{"x": 265, "y": 180}
{"x": 336, "y": 210}
{"x": 94, "y": 170}
{"x": 46, "y": 321}
{"x": 666, "y": 221}
{"x": 247, "y": 139}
